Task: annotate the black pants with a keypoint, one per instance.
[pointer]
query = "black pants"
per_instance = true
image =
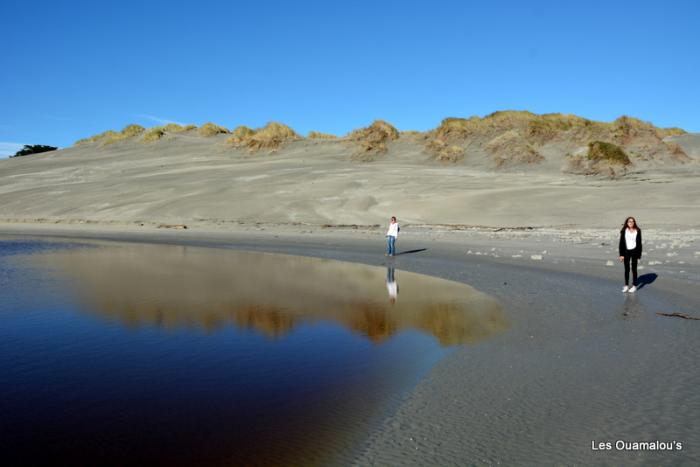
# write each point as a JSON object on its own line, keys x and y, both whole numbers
{"x": 630, "y": 258}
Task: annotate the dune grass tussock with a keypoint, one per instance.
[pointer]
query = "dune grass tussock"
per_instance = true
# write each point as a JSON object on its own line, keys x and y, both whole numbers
{"x": 156, "y": 133}
{"x": 173, "y": 128}
{"x": 625, "y": 128}
{"x": 239, "y": 135}
{"x": 631, "y": 122}
{"x": 444, "y": 152}
{"x": 632, "y": 131}
{"x": 374, "y": 139}
{"x": 542, "y": 128}
{"x": 211, "y": 129}
{"x": 672, "y": 131}
{"x": 127, "y": 132}
{"x": 111, "y": 136}
{"x": 177, "y": 128}
{"x": 601, "y": 159}
{"x": 508, "y": 118}
{"x": 271, "y": 136}
{"x": 132, "y": 130}
{"x": 452, "y": 129}
{"x": 379, "y": 129}
{"x": 99, "y": 138}
{"x": 602, "y": 151}
{"x": 153, "y": 134}
{"x": 319, "y": 135}
{"x": 586, "y": 132}
{"x": 83, "y": 141}
{"x": 510, "y": 148}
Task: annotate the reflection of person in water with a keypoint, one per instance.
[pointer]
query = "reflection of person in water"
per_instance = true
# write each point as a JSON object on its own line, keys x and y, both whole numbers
{"x": 631, "y": 308}
{"x": 391, "y": 286}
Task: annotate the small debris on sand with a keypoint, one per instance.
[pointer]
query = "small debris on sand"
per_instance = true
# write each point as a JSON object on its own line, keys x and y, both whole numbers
{"x": 678, "y": 315}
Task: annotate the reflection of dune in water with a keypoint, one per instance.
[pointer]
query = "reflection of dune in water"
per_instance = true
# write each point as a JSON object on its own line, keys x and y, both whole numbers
{"x": 176, "y": 287}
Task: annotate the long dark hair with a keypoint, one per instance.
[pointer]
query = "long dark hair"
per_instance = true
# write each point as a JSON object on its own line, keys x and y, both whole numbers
{"x": 624, "y": 225}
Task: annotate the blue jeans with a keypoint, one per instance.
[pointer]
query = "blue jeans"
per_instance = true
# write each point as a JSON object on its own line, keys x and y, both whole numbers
{"x": 390, "y": 245}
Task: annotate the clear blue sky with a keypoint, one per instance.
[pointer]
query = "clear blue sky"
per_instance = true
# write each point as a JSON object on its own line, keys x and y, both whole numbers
{"x": 72, "y": 69}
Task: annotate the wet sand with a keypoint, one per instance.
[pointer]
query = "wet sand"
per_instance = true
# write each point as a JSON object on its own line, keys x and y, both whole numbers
{"x": 581, "y": 362}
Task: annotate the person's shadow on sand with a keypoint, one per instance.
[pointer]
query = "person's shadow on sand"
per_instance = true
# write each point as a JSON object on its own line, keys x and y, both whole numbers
{"x": 645, "y": 279}
{"x": 410, "y": 251}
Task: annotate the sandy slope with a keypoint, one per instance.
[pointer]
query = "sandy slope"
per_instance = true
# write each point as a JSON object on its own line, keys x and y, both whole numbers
{"x": 189, "y": 179}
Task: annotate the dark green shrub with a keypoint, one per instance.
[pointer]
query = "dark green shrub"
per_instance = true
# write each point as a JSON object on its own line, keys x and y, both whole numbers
{"x": 602, "y": 151}
{"x": 33, "y": 149}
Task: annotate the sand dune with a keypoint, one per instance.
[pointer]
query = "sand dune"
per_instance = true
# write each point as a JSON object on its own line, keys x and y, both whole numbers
{"x": 501, "y": 179}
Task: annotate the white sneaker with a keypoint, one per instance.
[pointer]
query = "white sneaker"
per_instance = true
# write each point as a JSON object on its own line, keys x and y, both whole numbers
{"x": 632, "y": 289}
{"x": 625, "y": 289}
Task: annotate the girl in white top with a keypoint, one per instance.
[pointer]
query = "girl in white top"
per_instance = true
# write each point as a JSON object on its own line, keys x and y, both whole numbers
{"x": 391, "y": 235}
{"x": 630, "y": 250}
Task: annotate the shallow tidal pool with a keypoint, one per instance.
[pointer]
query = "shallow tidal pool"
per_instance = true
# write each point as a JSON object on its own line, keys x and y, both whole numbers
{"x": 117, "y": 353}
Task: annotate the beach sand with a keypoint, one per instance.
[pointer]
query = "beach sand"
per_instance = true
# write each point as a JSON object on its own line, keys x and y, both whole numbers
{"x": 580, "y": 363}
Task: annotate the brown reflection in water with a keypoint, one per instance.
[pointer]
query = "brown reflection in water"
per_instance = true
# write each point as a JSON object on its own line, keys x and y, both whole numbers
{"x": 174, "y": 287}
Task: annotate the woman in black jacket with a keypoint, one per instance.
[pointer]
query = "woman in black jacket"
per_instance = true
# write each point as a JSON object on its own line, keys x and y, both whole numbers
{"x": 630, "y": 250}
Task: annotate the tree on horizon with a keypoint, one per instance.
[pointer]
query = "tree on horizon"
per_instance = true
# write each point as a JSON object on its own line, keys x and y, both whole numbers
{"x": 33, "y": 149}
